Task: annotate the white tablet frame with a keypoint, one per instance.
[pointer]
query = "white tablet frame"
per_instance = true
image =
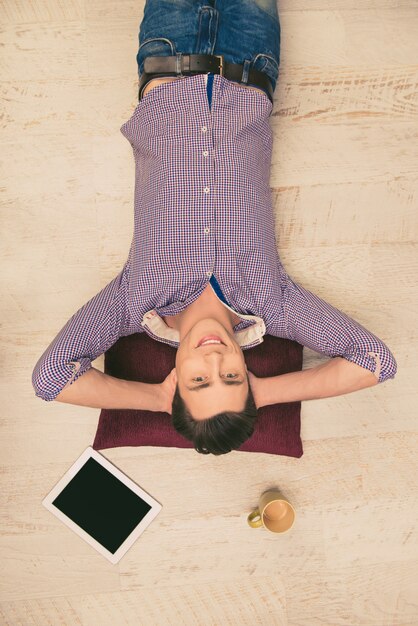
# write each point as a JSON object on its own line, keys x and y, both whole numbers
{"x": 138, "y": 530}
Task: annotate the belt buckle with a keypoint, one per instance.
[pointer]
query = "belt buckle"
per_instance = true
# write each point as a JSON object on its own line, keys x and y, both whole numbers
{"x": 221, "y": 63}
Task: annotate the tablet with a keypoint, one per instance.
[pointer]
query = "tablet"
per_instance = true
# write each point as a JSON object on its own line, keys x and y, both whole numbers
{"x": 102, "y": 505}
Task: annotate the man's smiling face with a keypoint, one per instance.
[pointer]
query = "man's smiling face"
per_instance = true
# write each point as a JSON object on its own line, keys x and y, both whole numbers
{"x": 212, "y": 378}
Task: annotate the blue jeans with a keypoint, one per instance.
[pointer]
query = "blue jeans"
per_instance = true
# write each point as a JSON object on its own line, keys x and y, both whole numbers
{"x": 243, "y": 31}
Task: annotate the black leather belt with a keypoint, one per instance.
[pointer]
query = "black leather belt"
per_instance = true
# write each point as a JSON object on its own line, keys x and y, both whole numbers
{"x": 189, "y": 64}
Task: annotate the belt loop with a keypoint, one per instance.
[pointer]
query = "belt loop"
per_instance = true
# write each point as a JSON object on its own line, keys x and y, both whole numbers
{"x": 245, "y": 71}
{"x": 178, "y": 63}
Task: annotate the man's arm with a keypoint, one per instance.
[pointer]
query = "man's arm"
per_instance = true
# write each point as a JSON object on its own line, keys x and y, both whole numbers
{"x": 98, "y": 390}
{"x": 333, "y": 378}
{"x": 92, "y": 330}
{"x": 315, "y": 323}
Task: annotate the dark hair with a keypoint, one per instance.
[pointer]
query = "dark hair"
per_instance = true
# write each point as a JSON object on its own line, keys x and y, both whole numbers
{"x": 218, "y": 434}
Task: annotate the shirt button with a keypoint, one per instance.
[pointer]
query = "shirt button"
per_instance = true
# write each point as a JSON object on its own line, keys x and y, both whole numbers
{"x": 207, "y": 230}
{"x": 205, "y": 153}
{"x": 206, "y": 190}
{"x": 208, "y": 273}
{"x": 204, "y": 129}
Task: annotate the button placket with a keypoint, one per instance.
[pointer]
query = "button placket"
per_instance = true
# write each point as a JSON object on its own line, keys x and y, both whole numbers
{"x": 206, "y": 190}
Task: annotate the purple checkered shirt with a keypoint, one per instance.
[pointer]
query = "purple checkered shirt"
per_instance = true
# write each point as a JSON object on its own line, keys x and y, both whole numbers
{"x": 203, "y": 207}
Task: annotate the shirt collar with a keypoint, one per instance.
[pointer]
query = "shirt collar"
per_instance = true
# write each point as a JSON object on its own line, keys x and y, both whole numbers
{"x": 245, "y": 338}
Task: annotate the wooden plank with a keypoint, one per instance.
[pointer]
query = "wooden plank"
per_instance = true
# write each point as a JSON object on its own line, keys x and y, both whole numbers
{"x": 374, "y": 533}
{"x": 348, "y": 213}
{"x": 349, "y": 38}
{"x": 246, "y": 601}
{"x": 375, "y": 153}
{"x": 350, "y": 95}
{"x": 358, "y": 595}
{"x": 53, "y": 563}
{"x": 389, "y": 458}
{"x": 75, "y": 107}
{"x": 48, "y": 50}
{"x": 37, "y": 11}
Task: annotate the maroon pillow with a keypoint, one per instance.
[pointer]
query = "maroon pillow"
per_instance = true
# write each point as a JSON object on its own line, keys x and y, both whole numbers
{"x": 141, "y": 358}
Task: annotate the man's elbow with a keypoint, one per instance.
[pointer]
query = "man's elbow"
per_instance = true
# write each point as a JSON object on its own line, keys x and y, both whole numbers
{"x": 43, "y": 391}
{"x": 50, "y": 379}
{"x": 43, "y": 387}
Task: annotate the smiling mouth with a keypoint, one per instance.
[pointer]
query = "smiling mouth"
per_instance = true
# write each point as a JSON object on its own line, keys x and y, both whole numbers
{"x": 210, "y": 340}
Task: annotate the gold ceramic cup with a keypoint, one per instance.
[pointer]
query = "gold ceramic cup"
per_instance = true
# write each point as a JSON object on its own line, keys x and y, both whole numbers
{"x": 273, "y": 512}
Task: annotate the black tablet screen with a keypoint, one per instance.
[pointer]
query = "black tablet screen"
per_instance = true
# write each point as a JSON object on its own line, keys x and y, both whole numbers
{"x": 101, "y": 505}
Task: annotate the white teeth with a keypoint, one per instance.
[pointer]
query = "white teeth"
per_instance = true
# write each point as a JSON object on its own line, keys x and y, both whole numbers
{"x": 210, "y": 341}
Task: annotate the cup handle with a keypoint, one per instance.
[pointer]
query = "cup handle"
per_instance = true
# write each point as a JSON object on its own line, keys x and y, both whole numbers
{"x": 252, "y": 521}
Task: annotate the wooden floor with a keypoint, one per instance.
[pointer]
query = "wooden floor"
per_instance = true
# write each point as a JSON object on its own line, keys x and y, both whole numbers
{"x": 344, "y": 183}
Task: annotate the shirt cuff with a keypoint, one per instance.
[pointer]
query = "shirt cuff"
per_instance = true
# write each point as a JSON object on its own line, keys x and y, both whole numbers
{"x": 48, "y": 387}
{"x": 370, "y": 361}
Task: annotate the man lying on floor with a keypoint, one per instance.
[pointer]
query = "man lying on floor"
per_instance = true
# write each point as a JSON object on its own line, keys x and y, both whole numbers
{"x": 203, "y": 275}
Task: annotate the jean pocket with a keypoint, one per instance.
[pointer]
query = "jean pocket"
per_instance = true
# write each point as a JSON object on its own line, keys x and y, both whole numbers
{"x": 267, "y": 64}
{"x": 154, "y": 46}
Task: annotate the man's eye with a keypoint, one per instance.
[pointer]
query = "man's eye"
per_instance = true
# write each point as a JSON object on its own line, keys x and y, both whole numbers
{"x": 196, "y": 380}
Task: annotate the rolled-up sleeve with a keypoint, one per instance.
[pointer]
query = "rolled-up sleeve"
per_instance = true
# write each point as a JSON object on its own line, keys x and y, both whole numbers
{"x": 92, "y": 330}
{"x": 314, "y": 323}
